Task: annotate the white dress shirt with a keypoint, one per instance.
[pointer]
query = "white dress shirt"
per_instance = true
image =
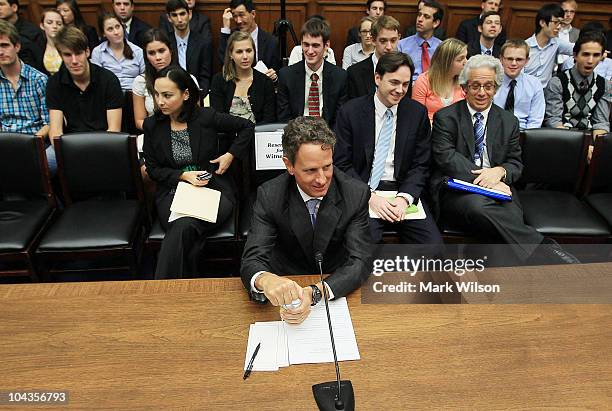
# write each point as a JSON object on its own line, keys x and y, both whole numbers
{"x": 485, "y": 117}
{"x": 307, "y": 84}
{"x": 181, "y": 48}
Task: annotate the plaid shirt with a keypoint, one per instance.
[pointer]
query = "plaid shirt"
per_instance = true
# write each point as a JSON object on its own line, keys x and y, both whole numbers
{"x": 24, "y": 110}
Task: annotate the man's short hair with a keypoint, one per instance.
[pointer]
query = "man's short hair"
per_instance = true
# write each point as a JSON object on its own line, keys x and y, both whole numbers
{"x": 384, "y": 22}
{"x": 174, "y": 5}
{"x": 248, "y": 4}
{"x": 486, "y": 14}
{"x": 13, "y": 2}
{"x": 131, "y": 2}
{"x": 71, "y": 38}
{"x": 8, "y": 29}
{"x": 305, "y": 130}
{"x": 515, "y": 44}
{"x": 316, "y": 27}
{"x": 369, "y": 3}
{"x": 439, "y": 14}
{"x": 546, "y": 13}
{"x": 590, "y": 36}
{"x": 391, "y": 62}
{"x": 482, "y": 61}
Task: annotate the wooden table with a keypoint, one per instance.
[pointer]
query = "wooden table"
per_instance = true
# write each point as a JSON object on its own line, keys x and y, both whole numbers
{"x": 181, "y": 344}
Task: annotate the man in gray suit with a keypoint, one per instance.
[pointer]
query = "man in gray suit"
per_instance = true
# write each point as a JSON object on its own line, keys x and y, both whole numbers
{"x": 310, "y": 209}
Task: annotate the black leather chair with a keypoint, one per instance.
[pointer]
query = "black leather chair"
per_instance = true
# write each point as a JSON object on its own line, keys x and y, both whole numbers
{"x": 104, "y": 214}
{"x": 27, "y": 202}
{"x": 554, "y": 164}
{"x": 598, "y": 183}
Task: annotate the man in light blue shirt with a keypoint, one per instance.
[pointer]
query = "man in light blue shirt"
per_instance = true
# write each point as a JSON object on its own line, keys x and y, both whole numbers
{"x": 545, "y": 45}
{"x": 520, "y": 93}
{"x": 423, "y": 44}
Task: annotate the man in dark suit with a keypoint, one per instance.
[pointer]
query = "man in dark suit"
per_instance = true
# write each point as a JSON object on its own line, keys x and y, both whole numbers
{"x": 243, "y": 13}
{"x": 199, "y": 23}
{"x": 489, "y": 26}
{"x": 312, "y": 208}
{"x": 384, "y": 140}
{"x": 194, "y": 50}
{"x": 312, "y": 87}
{"x": 375, "y": 9}
{"x": 478, "y": 142}
{"x": 468, "y": 29}
{"x": 134, "y": 27}
{"x": 385, "y": 35}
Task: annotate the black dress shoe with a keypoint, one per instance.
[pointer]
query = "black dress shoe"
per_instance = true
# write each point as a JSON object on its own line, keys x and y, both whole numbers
{"x": 558, "y": 254}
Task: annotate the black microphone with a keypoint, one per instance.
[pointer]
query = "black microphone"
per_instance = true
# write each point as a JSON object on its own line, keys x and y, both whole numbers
{"x": 333, "y": 395}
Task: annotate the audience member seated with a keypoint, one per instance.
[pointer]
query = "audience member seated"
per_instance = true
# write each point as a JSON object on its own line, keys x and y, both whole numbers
{"x": 360, "y": 51}
{"x": 521, "y": 94}
{"x": 180, "y": 143}
{"x": 394, "y": 133}
{"x": 476, "y": 141}
{"x": 123, "y": 58}
{"x": 567, "y": 32}
{"x": 193, "y": 49}
{"x": 298, "y": 55}
{"x": 489, "y": 27}
{"x": 374, "y": 9}
{"x": 199, "y": 23}
{"x": 51, "y": 22}
{"x": 544, "y": 45}
{"x": 422, "y": 45}
{"x": 439, "y": 86}
{"x": 312, "y": 208}
{"x": 239, "y": 89}
{"x": 30, "y": 36}
{"x": 81, "y": 96}
{"x": 134, "y": 27}
{"x": 71, "y": 14}
{"x": 438, "y": 31}
{"x": 22, "y": 92}
{"x": 604, "y": 68}
{"x": 385, "y": 35}
{"x": 468, "y": 32}
{"x": 243, "y": 14}
{"x": 313, "y": 87}
{"x": 578, "y": 98}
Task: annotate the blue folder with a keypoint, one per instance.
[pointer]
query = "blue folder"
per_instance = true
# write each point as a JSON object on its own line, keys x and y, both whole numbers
{"x": 460, "y": 185}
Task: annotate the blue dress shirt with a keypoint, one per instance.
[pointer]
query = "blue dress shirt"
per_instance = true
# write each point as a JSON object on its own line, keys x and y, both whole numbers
{"x": 529, "y": 104}
{"x": 543, "y": 60}
{"x": 125, "y": 70}
{"x": 412, "y": 47}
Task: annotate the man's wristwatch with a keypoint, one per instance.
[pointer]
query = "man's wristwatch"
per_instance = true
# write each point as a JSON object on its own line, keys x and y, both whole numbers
{"x": 316, "y": 294}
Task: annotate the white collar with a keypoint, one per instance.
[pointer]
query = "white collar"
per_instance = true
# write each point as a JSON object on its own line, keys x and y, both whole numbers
{"x": 381, "y": 109}
{"x": 305, "y": 196}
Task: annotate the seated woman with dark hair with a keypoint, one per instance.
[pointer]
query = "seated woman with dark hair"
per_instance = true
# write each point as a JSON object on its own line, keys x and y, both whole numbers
{"x": 239, "y": 89}
{"x": 180, "y": 143}
{"x": 69, "y": 9}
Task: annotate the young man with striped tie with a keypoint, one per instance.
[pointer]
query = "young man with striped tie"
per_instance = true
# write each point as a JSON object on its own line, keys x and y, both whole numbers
{"x": 312, "y": 87}
{"x": 384, "y": 141}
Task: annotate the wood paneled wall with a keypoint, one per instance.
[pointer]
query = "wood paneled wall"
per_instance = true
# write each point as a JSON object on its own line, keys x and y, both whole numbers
{"x": 517, "y": 16}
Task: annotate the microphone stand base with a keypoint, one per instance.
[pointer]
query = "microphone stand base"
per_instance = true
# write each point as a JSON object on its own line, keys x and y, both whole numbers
{"x": 325, "y": 396}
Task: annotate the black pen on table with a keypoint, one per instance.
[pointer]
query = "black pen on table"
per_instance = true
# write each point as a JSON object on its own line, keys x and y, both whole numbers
{"x": 250, "y": 366}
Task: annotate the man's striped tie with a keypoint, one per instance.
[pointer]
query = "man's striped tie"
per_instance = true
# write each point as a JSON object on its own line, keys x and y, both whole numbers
{"x": 313, "y": 96}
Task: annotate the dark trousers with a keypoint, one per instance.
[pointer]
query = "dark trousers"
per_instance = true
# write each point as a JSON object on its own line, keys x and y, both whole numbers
{"x": 493, "y": 221}
{"x": 185, "y": 238}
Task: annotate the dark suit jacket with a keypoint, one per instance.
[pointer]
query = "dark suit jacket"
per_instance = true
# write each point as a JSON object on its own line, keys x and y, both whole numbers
{"x": 453, "y": 145}
{"x": 291, "y": 89}
{"x": 92, "y": 37}
{"x": 467, "y": 32}
{"x": 31, "y": 54}
{"x": 352, "y": 36}
{"x": 203, "y": 129}
{"x": 30, "y": 31}
{"x": 261, "y": 96}
{"x": 199, "y": 59}
{"x": 200, "y": 23}
{"x": 282, "y": 240}
{"x": 137, "y": 29}
{"x": 267, "y": 49}
{"x": 474, "y": 48}
{"x": 355, "y": 133}
{"x": 360, "y": 79}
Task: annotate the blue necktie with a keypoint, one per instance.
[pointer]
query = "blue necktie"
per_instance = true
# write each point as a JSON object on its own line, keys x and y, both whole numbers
{"x": 381, "y": 150}
{"x": 312, "y": 209}
{"x": 479, "y": 134}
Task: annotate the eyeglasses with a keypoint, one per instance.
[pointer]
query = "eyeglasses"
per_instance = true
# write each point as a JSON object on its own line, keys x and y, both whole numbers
{"x": 557, "y": 22}
{"x": 365, "y": 32}
{"x": 475, "y": 87}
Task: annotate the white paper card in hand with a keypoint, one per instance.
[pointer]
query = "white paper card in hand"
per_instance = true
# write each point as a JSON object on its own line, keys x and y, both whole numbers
{"x": 196, "y": 202}
{"x": 261, "y": 67}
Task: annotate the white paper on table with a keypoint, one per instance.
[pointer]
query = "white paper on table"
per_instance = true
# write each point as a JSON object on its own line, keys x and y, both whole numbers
{"x": 419, "y": 214}
{"x": 309, "y": 342}
{"x": 267, "y": 335}
{"x": 282, "y": 351}
{"x": 261, "y": 67}
{"x": 197, "y": 202}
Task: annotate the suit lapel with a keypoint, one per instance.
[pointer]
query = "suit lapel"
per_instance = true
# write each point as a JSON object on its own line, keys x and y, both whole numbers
{"x": 467, "y": 128}
{"x": 327, "y": 219}
{"x": 166, "y": 141}
{"x": 493, "y": 138}
{"x": 299, "y": 219}
{"x": 300, "y": 84}
{"x": 368, "y": 127}
{"x": 327, "y": 80}
{"x": 194, "y": 140}
{"x": 400, "y": 140}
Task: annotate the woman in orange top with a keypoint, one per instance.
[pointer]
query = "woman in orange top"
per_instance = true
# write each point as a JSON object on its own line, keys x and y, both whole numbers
{"x": 439, "y": 86}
